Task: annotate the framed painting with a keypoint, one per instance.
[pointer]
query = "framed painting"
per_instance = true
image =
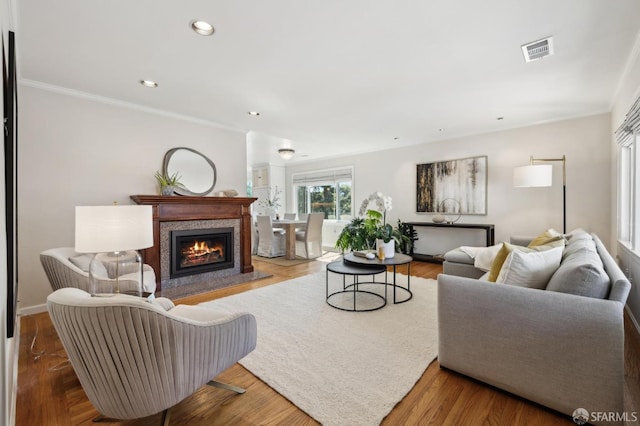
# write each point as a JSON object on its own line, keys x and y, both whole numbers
{"x": 10, "y": 170}
{"x": 453, "y": 186}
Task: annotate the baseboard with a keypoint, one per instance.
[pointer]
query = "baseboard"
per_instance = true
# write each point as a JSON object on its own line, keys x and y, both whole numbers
{"x": 32, "y": 310}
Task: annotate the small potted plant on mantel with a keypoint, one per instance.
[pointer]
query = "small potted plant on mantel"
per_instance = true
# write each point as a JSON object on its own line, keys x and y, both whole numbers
{"x": 168, "y": 183}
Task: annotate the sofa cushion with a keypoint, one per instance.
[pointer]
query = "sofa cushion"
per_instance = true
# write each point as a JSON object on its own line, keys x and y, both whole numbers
{"x": 458, "y": 255}
{"x": 532, "y": 269}
{"x": 508, "y": 248}
{"x": 581, "y": 271}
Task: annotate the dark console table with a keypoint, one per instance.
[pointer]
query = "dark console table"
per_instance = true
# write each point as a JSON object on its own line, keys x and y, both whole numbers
{"x": 489, "y": 229}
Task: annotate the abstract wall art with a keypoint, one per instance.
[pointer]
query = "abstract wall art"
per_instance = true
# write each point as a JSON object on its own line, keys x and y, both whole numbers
{"x": 453, "y": 186}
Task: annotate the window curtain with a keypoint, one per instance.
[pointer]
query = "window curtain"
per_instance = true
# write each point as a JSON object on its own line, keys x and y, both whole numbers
{"x": 630, "y": 125}
{"x": 323, "y": 177}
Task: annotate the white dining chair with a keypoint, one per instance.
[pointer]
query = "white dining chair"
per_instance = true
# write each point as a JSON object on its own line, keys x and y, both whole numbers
{"x": 311, "y": 236}
{"x": 272, "y": 242}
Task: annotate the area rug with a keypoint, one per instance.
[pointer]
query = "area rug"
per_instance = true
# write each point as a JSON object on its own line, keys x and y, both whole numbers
{"x": 341, "y": 368}
{"x": 283, "y": 261}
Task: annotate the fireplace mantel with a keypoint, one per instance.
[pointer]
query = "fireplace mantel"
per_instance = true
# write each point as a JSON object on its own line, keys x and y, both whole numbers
{"x": 184, "y": 208}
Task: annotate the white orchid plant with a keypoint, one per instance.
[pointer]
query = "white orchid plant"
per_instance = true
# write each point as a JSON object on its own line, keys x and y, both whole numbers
{"x": 382, "y": 204}
{"x": 375, "y": 208}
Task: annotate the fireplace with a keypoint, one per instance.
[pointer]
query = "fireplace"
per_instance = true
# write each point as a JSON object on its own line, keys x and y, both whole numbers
{"x": 196, "y": 251}
{"x": 197, "y": 213}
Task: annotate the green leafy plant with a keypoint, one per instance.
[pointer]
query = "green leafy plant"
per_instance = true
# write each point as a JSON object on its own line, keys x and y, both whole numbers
{"x": 165, "y": 180}
{"x": 361, "y": 233}
{"x": 358, "y": 235}
{"x": 404, "y": 235}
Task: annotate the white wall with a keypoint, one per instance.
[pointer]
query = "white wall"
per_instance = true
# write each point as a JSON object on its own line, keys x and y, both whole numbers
{"x": 80, "y": 151}
{"x": 523, "y": 211}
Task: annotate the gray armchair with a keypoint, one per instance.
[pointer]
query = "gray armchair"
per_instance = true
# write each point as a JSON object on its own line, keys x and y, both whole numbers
{"x": 135, "y": 358}
{"x": 65, "y": 267}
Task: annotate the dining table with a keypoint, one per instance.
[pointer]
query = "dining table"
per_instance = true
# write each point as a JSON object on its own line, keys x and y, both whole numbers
{"x": 289, "y": 227}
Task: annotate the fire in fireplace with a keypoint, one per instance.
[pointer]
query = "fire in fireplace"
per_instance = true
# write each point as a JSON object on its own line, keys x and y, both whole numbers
{"x": 201, "y": 250}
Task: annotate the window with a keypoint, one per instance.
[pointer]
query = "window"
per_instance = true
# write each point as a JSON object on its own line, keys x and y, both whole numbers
{"x": 628, "y": 138}
{"x": 325, "y": 191}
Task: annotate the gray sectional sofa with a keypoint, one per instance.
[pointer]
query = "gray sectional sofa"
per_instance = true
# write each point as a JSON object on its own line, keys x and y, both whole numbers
{"x": 564, "y": 351}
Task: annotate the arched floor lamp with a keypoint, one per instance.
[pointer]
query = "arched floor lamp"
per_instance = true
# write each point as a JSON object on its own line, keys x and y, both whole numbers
{"x": 540, "y": 175}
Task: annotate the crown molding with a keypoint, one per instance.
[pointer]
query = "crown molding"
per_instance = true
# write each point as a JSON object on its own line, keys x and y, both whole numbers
{"x": 122, "y": 104}
{"x": 632, "y": 61}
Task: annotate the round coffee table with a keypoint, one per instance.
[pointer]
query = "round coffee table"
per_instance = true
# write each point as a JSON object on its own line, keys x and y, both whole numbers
{"x": 356, "y": 271}
{"x": 396, "y": 260}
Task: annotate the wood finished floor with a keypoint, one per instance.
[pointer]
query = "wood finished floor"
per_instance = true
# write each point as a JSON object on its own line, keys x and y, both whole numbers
{"x": 50, "y": 396}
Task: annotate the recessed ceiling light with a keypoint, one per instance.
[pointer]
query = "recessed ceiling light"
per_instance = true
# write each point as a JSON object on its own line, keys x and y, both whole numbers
{"x": 254, "y": 113}
{"x": 202, "y": 27}
{"x": 148, "y": 83}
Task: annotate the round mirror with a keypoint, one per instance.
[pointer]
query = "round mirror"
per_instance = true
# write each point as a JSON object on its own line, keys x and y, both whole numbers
{"x": 197, "y": 173}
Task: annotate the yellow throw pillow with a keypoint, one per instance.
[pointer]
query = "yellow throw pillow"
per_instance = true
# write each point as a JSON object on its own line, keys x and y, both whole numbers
{"x": 548, "y": 236}
{"x": 496, "y": 265}
{"x": 507, "y": 248}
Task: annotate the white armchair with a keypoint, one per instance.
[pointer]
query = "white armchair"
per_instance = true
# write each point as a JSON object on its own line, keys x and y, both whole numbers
{"x": 65, "y": 267}
{"x": 135, "y": 358}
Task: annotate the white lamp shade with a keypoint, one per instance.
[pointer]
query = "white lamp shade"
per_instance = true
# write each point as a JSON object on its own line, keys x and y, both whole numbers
{"x": 113, "y": 228}
{"x": 533, "y": 175}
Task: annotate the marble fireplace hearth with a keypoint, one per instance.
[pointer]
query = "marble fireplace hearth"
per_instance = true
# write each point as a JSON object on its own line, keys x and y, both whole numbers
{"x": 165, "y": 251}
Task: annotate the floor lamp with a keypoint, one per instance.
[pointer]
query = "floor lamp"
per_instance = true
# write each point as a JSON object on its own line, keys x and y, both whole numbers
{"x": 540, "y": 175}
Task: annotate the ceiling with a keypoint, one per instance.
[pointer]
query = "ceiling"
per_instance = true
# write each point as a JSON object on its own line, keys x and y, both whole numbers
{"x": 333, "y": 77}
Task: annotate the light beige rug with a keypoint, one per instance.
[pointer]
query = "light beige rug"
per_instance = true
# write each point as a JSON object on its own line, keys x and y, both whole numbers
{"x": 283, "y": 261}
{"x": 342, "y": 368}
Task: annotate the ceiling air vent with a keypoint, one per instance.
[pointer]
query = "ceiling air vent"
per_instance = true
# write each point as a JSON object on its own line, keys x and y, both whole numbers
{"x": 537, "y": 49}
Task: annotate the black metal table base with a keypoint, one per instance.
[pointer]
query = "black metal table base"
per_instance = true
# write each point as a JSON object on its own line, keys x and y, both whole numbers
{"x": 395, "y": 285}
{"x": 358, "y": 269}
{"x": 354, "y": 289}
{"x": 394, "y": 262}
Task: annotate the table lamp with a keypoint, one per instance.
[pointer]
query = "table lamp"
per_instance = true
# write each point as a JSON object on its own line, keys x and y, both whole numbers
{"x": 114, "y": 233}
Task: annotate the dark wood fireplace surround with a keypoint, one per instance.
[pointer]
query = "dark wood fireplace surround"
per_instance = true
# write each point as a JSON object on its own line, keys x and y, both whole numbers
{"x": 178, "y": 208}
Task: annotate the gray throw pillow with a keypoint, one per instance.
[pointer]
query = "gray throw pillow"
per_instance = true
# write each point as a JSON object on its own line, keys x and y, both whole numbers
{"x": 573, "y": 247}
{"x": 82, "y": 261}
{"x": 581, "y": 272}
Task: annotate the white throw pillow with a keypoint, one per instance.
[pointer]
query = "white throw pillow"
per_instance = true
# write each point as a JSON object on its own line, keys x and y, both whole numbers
{"x": 533, "y": 270}
{"x": 484, "y": 257}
